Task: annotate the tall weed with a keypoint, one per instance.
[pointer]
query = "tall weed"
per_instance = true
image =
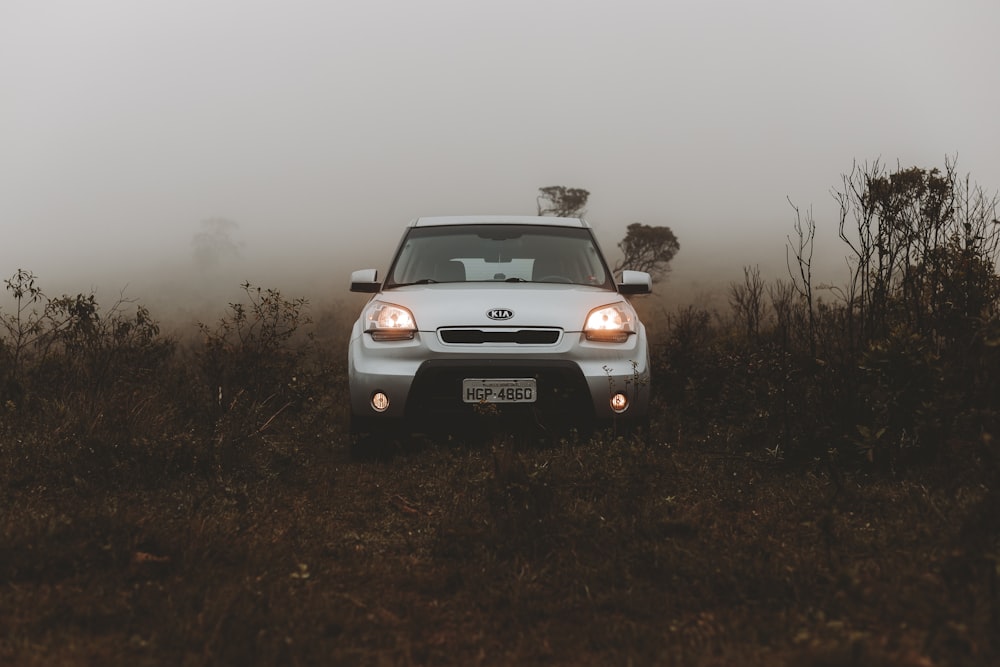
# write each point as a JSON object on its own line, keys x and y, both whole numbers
{"x": 252, "y": 364}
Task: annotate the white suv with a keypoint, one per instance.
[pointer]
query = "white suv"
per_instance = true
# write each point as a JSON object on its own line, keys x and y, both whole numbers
{"x": 516, "y": 315}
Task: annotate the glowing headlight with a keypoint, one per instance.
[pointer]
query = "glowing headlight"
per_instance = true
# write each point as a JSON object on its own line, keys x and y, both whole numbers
{"x": 386, "y": 321}
{"x": 610, "y": 324}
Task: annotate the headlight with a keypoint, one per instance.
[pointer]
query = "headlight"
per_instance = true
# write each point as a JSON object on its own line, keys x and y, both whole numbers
{"x": 386, "y": 321}
{"x": 610, "y": 324}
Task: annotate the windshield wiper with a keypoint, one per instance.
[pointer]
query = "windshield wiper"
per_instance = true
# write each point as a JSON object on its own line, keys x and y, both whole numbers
{"x": 422, "y": 281}
{"x": 515, "y": 279}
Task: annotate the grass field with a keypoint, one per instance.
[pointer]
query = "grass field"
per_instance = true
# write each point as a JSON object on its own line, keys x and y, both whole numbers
{"x": 499, "y": 552}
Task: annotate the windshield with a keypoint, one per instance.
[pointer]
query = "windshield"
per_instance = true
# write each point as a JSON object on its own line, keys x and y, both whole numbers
{"x": 499, "y": 253}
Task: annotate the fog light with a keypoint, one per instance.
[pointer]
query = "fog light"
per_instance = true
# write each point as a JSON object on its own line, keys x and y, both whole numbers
{"x": 380, "y": 402}
{"x": 619, "y": 402}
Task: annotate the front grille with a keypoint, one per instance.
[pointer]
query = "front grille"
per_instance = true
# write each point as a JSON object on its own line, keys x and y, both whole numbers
{"x": 518, "y": 336}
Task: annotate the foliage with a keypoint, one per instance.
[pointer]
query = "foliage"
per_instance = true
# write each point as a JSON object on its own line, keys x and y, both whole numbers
{"x": 252, "y": 363}
{"x": 114, "y": 394}
{"x": 884, "y": 376}
{"x": 90, "y": 378}
{"x": 648, "y": 248}
{"x": 645, "y": 248}
{"x": 23, "y": 326}
{"x": 924, "y": 246}
{"x": 563, "y": 202}
{"x": 901, "y": 382}
{"x": 251, "y": 349}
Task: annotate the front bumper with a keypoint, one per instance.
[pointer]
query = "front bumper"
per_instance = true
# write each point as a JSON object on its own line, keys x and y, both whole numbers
{"x": 423, "y": 377}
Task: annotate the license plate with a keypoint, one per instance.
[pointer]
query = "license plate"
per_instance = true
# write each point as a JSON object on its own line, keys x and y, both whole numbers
{"x": 499, "y": 390}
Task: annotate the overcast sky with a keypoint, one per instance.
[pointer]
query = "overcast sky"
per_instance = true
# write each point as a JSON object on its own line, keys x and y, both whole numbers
{"x": 321, "y": 128}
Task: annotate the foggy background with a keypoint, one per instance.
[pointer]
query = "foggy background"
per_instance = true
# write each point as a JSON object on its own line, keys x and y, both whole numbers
{"x": 175, "y": 149}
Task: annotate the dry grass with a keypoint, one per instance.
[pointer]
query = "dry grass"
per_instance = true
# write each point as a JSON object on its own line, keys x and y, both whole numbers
{"x": 598, "y": 552}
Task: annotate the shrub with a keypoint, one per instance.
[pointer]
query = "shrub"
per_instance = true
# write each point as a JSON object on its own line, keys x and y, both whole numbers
{"x": 252, "y": 367}
{"x": 91, "y": 380}
{"x": 903, "y": 405}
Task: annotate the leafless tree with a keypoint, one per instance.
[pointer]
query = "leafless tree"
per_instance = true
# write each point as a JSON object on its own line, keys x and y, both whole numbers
{"x": 802, "y": 250}
{"x": 747, "y": 301}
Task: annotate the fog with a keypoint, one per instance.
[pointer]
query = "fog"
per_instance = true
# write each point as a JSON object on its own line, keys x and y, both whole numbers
{"x": 175, "y": 149}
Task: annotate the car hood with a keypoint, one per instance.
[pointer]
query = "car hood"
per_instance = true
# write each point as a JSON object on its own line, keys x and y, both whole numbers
{"x": 529, "y": 304}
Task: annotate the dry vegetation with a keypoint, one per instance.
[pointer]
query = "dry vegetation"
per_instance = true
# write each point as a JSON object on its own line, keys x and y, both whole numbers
{"x": 820, "y": 487}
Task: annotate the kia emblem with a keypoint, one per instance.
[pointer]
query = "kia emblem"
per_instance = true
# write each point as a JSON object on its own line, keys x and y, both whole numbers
{"x": 500, "y": 313}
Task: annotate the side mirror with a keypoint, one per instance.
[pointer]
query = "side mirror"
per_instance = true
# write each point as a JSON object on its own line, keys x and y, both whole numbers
{"x": 365, "y": 280}
{"x": 635, "y": 282}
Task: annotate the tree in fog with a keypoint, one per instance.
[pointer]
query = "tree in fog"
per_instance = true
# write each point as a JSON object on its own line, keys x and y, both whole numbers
{"x": 561, "y": 201}
{"x": 215, "y": 244}
{"x": 924, "y": 249}
{"x": 648, "y": 248}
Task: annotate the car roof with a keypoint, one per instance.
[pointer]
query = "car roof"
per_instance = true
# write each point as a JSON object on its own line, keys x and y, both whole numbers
{"x": 551, "y": 221}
